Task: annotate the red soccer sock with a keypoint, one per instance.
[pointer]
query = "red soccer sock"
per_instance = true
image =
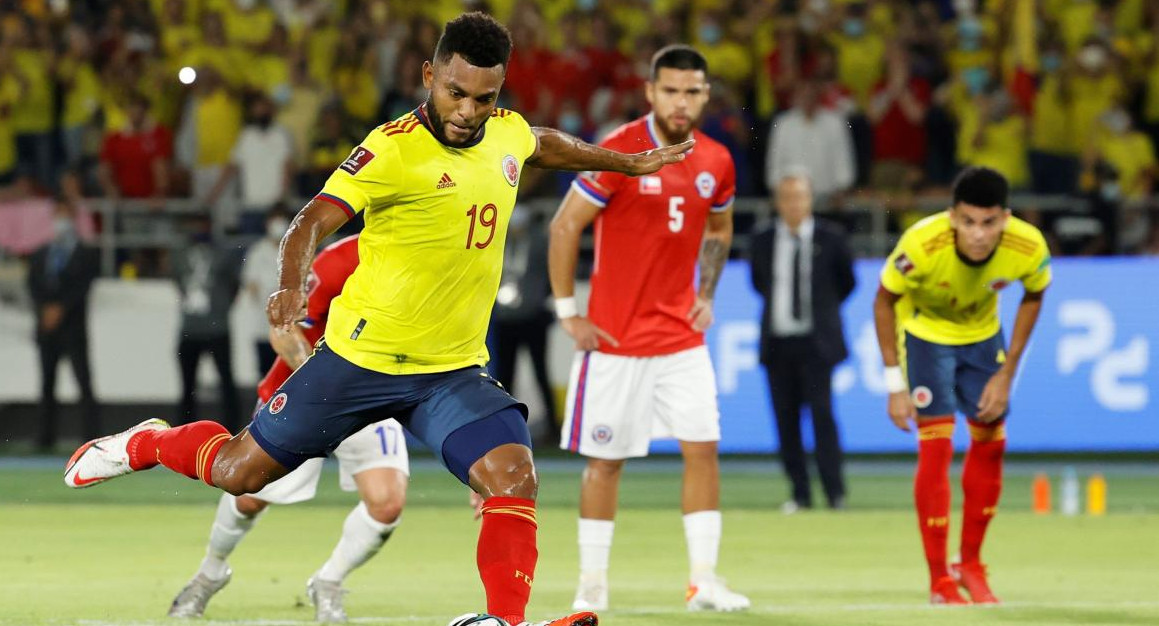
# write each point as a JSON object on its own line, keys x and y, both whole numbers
{"x": 981, "y": 484}
{"x": 932, "y": 489}
{"x": 188, "y": 449}
{"x": 507, "y": 555}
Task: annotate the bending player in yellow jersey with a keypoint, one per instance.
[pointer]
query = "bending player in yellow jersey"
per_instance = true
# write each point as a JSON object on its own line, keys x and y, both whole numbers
{"x": 938, "y": 299}
{"x": 405, "y": 339}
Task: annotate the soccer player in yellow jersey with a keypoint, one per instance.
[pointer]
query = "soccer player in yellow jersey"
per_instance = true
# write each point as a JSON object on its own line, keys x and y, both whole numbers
{"x": 938, "y": 301}
{"x": 405, "y": 339}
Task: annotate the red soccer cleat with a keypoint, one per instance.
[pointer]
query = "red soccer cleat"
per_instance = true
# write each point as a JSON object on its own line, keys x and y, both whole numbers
{"x": 972, "y": 576}
{"x": 945, "y": 591}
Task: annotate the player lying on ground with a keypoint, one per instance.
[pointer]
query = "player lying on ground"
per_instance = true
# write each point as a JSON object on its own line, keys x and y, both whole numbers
{"x": 938, "y": 305}
{"x": 406, "y": 337}
{"x": 372, "y": 460}
{"x": 643, "y": 370}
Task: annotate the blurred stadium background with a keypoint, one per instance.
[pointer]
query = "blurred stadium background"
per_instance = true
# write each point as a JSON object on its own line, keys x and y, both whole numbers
{"x": 130, "y": 111}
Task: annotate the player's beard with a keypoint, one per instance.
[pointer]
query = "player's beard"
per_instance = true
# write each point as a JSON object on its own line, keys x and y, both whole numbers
{"x": 674, "y": 134}
{"x": 439, "y": 127}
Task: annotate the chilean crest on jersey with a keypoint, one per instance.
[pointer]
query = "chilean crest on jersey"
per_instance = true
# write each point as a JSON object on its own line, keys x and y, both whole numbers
{"x": 650, "y": 186}
{"x": 705, "y": 184}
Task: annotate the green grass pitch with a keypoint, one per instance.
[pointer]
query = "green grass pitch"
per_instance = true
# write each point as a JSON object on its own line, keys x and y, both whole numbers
{"x": 118, "y": 553}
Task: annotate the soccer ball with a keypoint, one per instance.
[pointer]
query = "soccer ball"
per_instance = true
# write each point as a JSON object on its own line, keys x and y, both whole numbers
{"x": 477, "y": 619}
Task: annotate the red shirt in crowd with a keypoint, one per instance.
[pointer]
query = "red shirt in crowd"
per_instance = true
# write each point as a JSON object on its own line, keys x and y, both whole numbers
{"x": 130, "y": 156}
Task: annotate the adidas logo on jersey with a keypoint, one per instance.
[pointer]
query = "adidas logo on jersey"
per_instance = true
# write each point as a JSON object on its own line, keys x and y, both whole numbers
{"x": 445, "y": 182}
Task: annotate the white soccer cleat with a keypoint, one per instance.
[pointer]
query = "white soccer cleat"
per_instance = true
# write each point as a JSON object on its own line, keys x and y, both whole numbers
{"x": 326, "y": 596}
{"x": 104, "y": 458}
{"x": 192, "y": 600}
{"x": 713, "y": 595}
{"x": 592, "y": 593}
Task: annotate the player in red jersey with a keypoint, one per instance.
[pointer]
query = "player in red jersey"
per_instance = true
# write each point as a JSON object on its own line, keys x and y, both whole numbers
{"x": 374, "y": 461}
{"x": 643, "y": 370}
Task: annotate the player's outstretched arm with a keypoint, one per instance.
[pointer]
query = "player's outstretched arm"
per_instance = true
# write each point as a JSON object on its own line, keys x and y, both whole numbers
{"x": 574, "y": 215}
{"x": 901, "y": 407}
{"x": 996, "y": 394}
{"x": 313, "y": 223}
{"x": 558, "y": 150}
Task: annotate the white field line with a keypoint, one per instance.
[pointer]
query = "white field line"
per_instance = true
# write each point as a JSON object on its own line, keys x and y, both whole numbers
{"x": 667, "y": 610}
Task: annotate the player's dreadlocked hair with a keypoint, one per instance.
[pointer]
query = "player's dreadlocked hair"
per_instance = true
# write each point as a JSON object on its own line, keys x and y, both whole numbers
{"x": 678, "y": 57}
{"x": 981, "y": 186}
{"x": 478, "y": 38}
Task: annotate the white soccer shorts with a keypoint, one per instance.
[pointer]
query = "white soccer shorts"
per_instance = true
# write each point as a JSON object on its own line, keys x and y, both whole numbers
{"x": 616, "y": 405}
{"x": 381, "y": 444}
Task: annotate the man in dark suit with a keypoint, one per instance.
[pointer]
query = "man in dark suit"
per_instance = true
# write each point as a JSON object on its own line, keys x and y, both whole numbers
{"x": 60, "y": 275}
{"x": 803, "y": 270}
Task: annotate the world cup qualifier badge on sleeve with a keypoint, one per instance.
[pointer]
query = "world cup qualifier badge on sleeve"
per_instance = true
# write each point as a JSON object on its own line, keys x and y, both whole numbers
{"x": 358, "y": 159}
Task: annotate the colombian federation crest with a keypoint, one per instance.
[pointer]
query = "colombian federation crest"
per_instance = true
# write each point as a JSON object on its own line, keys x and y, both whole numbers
{"x": 511, "y": 170}
{"x": 278, "y": 403}
{"x": 922, "y": 397}
{"x": 705, "y": 184}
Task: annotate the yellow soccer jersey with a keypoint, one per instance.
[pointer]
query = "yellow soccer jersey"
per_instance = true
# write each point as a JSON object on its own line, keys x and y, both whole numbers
{"x": 431, "y": 253}
{"x": 949, "y": 301}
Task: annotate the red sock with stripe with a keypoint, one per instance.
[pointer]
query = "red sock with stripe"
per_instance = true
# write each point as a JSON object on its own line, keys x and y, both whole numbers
{"x": 932, "y": 489}
{"x": 981, "y": 484}
{"x": 188, "y": 449}
{"x": 507, "y": 554}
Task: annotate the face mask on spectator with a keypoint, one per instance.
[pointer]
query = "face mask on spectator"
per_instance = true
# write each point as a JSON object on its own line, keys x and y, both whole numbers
{"x": 571, "y": 122}
{"x": 63, "y": 228}
{"x": 245, "y": 5}
{"x": 969, "y": 34}
{"x": 1051, "y": 62}
{"x": 585, "y": 5}
{"x": 1092, "y": 58}
{"x": 1117, "y": 121}
{"x": 276, "y": 227}
{"x": 854, "y": 27}
{"x": 976, "y": 79}
{"x": 710, "y": 33}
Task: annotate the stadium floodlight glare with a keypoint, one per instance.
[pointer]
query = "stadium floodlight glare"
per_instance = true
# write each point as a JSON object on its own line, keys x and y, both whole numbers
{"x": 187, "y": 75}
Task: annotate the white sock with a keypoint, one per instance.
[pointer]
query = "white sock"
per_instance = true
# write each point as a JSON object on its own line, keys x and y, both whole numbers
{"x": 229, "y": 527}
{"x": 595, "y": 546}
{"x": 362, "y": 536}
{"x": 702, "y": 531}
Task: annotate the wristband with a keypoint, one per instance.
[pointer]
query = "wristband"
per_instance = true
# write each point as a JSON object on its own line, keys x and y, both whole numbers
{"x": 894, "y": 380}
{"x": 565, "y": 308}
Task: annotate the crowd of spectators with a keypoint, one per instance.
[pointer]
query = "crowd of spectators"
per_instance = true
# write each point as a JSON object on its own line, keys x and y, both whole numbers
{"x": 241, "y": 105}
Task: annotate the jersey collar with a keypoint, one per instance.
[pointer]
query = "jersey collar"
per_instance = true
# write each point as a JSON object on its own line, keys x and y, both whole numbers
{"x": 421, "y": 113}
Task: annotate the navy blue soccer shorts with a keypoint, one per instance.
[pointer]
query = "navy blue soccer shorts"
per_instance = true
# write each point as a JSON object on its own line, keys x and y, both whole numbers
{"x": 329, "y": 398}
{"x": 943, "y": 378}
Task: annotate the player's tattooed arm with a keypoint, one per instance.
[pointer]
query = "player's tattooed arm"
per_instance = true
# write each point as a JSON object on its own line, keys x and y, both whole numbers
{"x": 714, "y": 251}
{"x": 557, "y": 150}
{"x": 713, "y": 255}
{"x": 313, "y": 223}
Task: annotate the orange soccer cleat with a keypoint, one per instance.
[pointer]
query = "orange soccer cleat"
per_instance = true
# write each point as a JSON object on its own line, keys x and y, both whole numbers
{"x": 583, "y": 618}
{"x": 972, "y": 576}
{"x": 945, "y": 591}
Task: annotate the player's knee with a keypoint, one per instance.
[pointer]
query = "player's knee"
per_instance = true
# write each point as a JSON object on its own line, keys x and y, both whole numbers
{"x": 249, "y": 506}
{"x": 385, "y": 511}
{"x": 230, "y": 478}
{"x": 506, "y": 471}
{"x": 603, "y": 469}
